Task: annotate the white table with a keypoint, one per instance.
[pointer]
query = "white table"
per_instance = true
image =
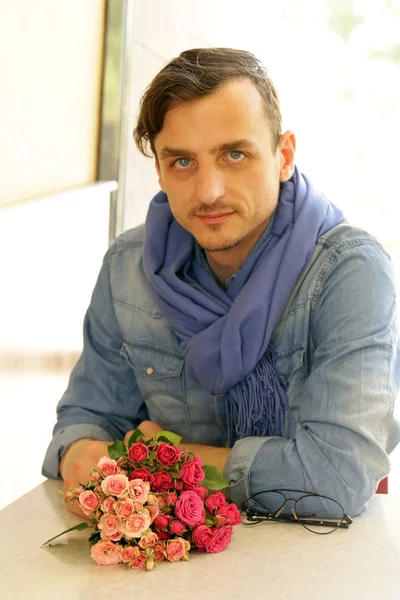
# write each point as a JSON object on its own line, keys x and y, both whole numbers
{"x": 266, "y": 561}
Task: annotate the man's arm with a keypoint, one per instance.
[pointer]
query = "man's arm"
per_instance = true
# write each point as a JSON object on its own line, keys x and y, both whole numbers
{"x": 346, "y": 403}
{"x": 102, "y": 400}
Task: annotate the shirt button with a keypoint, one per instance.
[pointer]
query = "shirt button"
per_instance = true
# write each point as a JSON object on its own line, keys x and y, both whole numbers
{"x": 150, "y": 371}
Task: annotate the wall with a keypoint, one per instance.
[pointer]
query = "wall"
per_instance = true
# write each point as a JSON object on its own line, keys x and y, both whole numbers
{"x": 51, "y": 67}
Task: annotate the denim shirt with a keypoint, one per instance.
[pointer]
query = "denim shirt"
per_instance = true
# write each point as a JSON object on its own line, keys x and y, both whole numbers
{"x": 337, "y": 350}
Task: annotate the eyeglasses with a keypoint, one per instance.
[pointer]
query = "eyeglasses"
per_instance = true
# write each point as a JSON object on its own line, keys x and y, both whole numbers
{"x": 305, "y": 511}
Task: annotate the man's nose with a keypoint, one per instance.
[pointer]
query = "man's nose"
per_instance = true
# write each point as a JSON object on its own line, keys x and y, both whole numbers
{"x": 210, "y": 186}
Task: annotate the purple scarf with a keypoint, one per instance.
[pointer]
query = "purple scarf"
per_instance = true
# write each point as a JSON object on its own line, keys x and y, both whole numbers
{"x": 225, "y": 335}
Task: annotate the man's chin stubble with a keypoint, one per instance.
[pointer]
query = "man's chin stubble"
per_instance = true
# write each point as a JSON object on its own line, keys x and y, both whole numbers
{"x": 221, "y": 249}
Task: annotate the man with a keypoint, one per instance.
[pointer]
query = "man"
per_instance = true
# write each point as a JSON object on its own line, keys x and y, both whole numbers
{"x": 247, "y": 315}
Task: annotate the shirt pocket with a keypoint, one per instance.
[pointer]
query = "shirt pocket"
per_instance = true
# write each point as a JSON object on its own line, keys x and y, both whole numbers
{"x": 160, "y": 377}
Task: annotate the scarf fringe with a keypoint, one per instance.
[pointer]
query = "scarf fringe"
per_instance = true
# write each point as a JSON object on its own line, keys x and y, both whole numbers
{"x": 257, "y": 405}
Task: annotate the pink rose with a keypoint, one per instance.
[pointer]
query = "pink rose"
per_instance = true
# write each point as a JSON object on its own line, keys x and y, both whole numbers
{"x": 78, "y": 490}
{"x": 127, "y": 554}
{"x": 139, "y": 490}
{"x": 153, "y": 510}
{"x": 162, "y": 521}
{"x": 115, "y": 485}
{"x": 139, "y": 561}
{"x": 149, "y": 540}
{"x": 115, "y": 537}
{"x": 138, "y": 452}
{"x": 177, "y": 527}
{"x": 106, "y": 553}
{"x": 107, "y": 466}
{"x": 124, "y": 508}
{"x": 69, "y": 496}
{"x": 152, "y": 499}
{"x": 108, "y": 504}
{"x": 89, "y": 501}
{"x": 231, "y": 513}
{"x": 202, "y": 536}
{"x": 137, "y": 524}
{"x": 177, "y": 549}
{"x": 110, "y": 524}
{"x": 163, "y": 481}
{"x": 142, "y": 474}
{"x": 168, "y": 454}
{"x": 220, "y": 539}
{"x": 215, "y": 501}
{"x": 159, "y": 552}
{"x": 150, "y": 565}
{"x": 192, "y": 471}
{"x": 189, "y": 508}
{"x": 95, "y": 477}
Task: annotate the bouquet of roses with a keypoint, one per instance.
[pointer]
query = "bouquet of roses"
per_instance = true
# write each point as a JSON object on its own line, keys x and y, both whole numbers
{"x": 151, "y": 501}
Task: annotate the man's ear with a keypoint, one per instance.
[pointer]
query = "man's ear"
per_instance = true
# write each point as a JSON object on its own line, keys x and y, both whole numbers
{"x": 160, "y": 179}
{"x": 286, "y": 149}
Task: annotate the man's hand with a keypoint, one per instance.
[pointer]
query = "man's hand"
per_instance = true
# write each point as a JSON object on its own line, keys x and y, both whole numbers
{"x": 148, "y": 428}
{"x": 76, "y": 464}
{"x": 209, "y": 455}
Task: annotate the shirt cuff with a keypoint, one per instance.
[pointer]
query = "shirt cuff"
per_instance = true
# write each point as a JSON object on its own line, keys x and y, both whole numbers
{"x": 63, "y": 439}
{"x": 239, "y": 466}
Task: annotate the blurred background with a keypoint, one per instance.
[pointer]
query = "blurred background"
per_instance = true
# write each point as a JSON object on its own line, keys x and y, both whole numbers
{"x": 71, "y": 179}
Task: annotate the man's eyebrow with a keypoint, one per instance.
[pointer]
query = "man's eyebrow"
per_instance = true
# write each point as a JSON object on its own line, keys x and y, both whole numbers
{"x": 227, "y": 146}
{"x": 168, "y": 152}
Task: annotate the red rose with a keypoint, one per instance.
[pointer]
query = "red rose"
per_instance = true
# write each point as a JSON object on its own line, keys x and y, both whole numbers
{"x": 162, "y": 521}
{"x": 171, "y": 498}
{"x": 163, "y": 534}
{"x": 177, "y": 527}
{"x": 192, "y": 471}
{"x": 163, "y": 481}
{"x": 142, "y": 474}
{"x": 220, "y": 539}
{"x": 200, "y": 490}
{"x": 202, "y": 536}
{"x": 189, "y": 508}
{"x": 215, "y": 501}
{"x": 138, "y": 452}
{"x": 230, "y": 512}
{"x": 167, "y": 454}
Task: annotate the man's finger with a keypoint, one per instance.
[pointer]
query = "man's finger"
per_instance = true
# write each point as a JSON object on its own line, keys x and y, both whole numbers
{"x": 126, "y": 438}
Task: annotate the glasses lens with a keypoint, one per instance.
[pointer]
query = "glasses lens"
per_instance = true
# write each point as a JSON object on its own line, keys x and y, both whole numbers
{"x": 319, "y": 514}
{"x": 270, "y": 501}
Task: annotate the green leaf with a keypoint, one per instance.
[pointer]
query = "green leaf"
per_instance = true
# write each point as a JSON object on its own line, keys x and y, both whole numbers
{"x": 168, "y": 436}
{"x": 95, "y": 536}
{"x": 214, "y": 480}
{"x": 78, "y": 527}
{"x": 117, "y": 449}
{"x": 135, "y": 436}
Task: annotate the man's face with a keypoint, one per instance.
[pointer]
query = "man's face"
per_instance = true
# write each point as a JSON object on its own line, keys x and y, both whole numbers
{"x": 218, "y": 167}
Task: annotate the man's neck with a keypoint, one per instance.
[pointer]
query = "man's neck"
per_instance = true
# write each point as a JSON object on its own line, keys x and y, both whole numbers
{"x": 224, "y": 264}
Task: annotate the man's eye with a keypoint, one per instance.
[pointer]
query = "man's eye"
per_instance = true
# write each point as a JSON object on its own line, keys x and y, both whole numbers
{"x": 182, "y": 163}
{"x": 236, "y": 155}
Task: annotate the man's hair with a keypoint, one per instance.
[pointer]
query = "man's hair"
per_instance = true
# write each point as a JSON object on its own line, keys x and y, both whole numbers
{"x": 197, "y": 73}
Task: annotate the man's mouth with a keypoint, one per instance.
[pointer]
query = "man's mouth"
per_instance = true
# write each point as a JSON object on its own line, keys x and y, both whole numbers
{"x": 216, "y": 217}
